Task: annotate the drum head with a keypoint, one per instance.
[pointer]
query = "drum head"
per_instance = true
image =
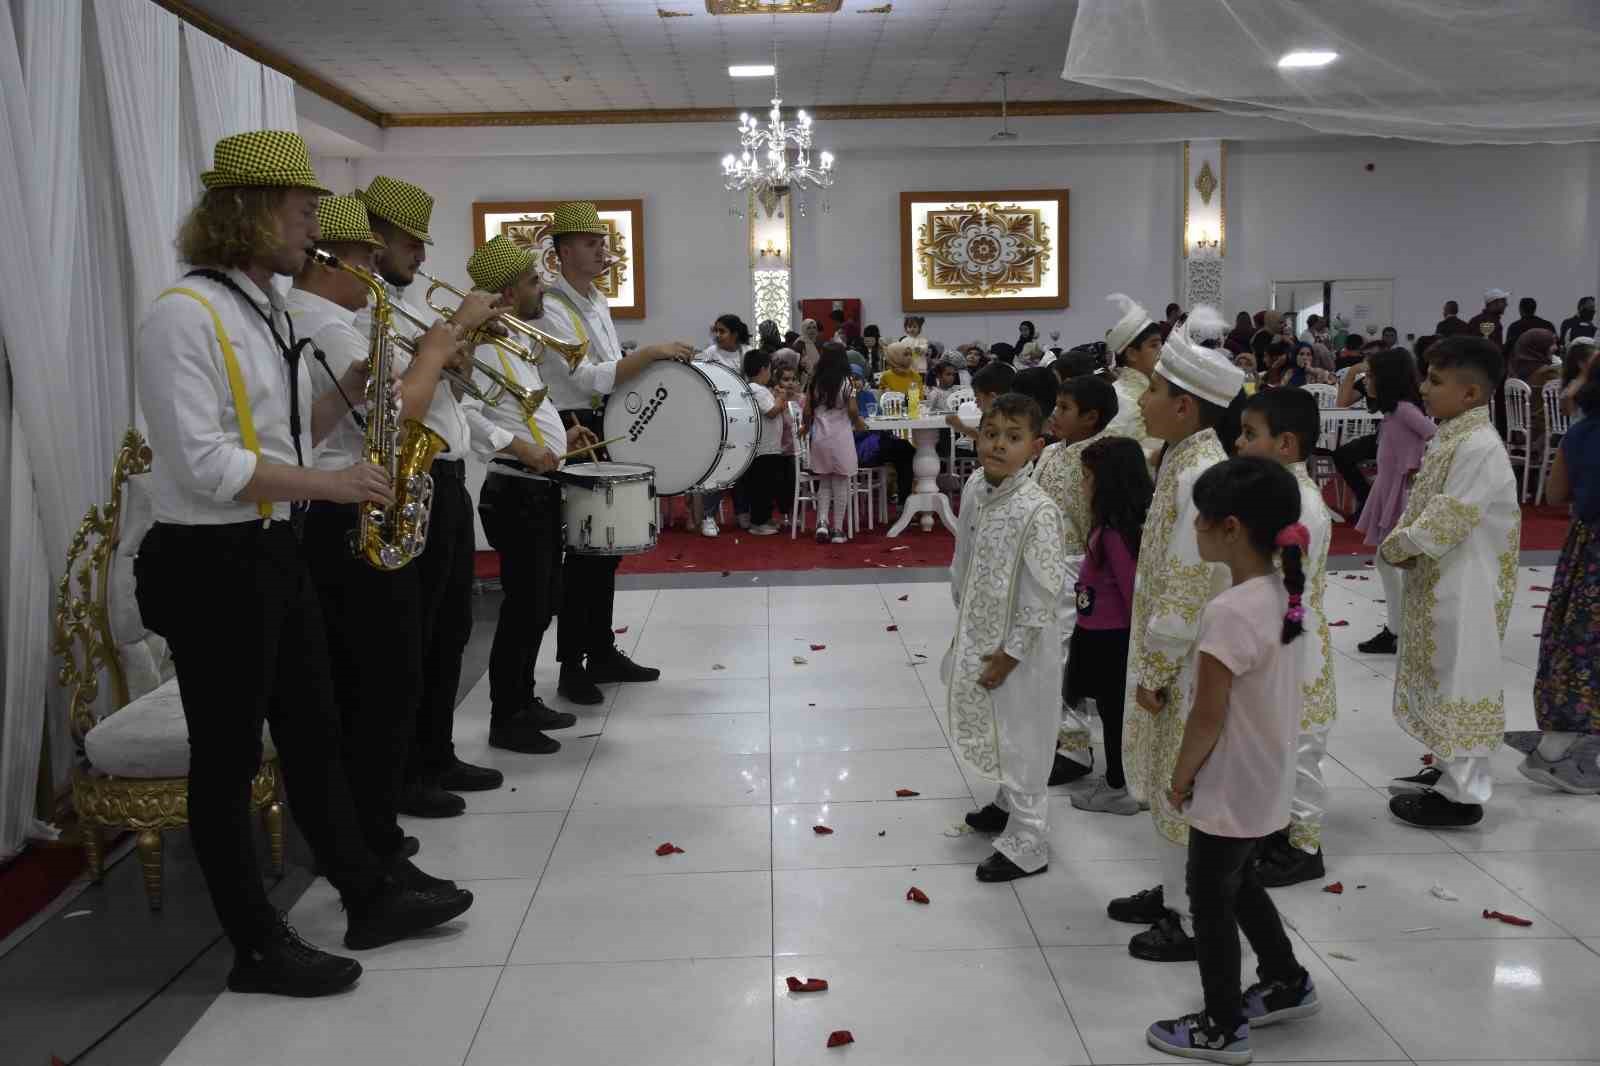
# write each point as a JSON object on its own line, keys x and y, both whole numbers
{"x": 606, "y": 471}
{"x": 669, "y": 418}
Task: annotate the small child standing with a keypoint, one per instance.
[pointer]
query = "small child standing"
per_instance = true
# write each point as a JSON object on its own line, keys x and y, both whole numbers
{"x": 1391, "y": 387}
{"x": 1235, "y": 770}
{"x": 1116, "y": 483}
{"x": 830, "y": 421}
{"x": 1458, "y": 543}
{"x": 1003, "y": 670}
{"x": 1084, "y": 407}
{"x": 1283, "y": 425}
{"x": 765, "y": 479}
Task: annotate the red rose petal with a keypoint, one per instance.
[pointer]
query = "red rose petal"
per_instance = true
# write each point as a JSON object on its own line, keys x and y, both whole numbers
{"x": 669, "y": 848}
{"x": 904, "y": 792}
{"x": 822, "y": 831}
{"x": 1363, "y": 577}
{"x": 840, "y": 1037}
{"x": 1340, "y": 622}
{"x": 620, "y": 630}
{"x": 810, "y": 984}
{"x": 1538, "y": 588}
{"x": 1337, "y": 888}
{"x": 1509, "y": 919}
{"x": 819, "y": 647}
{"x": 916, "y": 895}
{"x": 1427, "y": 760}
{"x": 1540, "y": 606}
{"x": 891, "y": 629}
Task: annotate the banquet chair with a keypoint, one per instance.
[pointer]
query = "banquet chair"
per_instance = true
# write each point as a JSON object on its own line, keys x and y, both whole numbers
{"x": 1519, "y": 428}
{"x": 1327, "y": 395}
{"x": 891, "y": 405}
{"x": 806, "y": 483}
{"x": 1555, "y": 427}
{"x": 131, "y": 765}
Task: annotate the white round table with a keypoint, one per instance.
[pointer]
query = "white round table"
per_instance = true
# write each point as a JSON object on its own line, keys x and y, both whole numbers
{"x": 926, "y": 500}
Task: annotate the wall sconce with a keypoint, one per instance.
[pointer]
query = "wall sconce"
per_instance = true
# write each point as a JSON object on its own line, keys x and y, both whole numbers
{"x": 771, "y": 249}
{"x": 1204, "y": 244}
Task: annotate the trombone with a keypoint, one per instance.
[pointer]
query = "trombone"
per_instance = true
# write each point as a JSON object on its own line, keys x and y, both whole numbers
{"x": 500, "y": 386}
{"x": 571, "y": 351}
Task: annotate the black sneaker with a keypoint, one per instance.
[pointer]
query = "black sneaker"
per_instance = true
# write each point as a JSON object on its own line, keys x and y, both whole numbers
{"x": 464, "y": 777}
{"x": 1196, "y": 1036}
{"x": 1429, "y": 810}
{"x": 998, "y": 868}
{"x": 399, "y": 911}
{"x": 1385, "y": 643}
{"x": 1270, "y": 1002}
{"x": 1065, "y": 770}
{"x": 1289, "y": 866}
{"x": 1425, "y": 780}
{"x": 615, "y": 666}
{"x": 547, "y": 717}
{"x": 1141, "y": 908}
{"x": 989, "y": 820}
{"x": 1163, "y": 942}
{"x": 285, "y": 965}
{"x": 425, "y": 799}
{"x": 520, "y": 732}
{"x": 411, "y": 876}
{"x": 578, "y": 687}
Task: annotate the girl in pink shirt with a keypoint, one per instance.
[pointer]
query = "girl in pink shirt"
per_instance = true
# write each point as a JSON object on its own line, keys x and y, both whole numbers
{"x": 1235, "y": 771}
{"x": 1116, "y": 480}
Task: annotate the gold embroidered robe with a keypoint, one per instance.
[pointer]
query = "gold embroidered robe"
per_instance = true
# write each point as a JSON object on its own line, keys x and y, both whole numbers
{"x": 1321, "y": 699}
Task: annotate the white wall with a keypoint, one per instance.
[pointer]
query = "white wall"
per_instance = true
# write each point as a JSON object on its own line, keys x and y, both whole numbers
{"x": 1444, "y": 222}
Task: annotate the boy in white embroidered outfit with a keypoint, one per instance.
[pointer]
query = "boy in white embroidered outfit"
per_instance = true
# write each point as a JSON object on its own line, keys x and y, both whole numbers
{"x": 1003, "y": 669}
{"x": 1283, "y": 425}
{"x": 1187, "y": 399}
{"x": 1457, "y": 542}
{"x": 1135, "y": 344}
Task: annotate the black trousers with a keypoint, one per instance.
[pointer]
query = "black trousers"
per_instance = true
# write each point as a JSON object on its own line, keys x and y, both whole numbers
{"x": 444, "y": 571}
{"x": 770, "y": 477}
{"x": 374, "y": 625}
{"x": 522, "y": 520}
{"x": 1347, "y": 459}
{"x": 1097, "y": 669}
{"x": 1225, "y": 897}
{"x": 237, "y": 607}
{"x": 898, "y": 454}
{"x": 588, "y": 587}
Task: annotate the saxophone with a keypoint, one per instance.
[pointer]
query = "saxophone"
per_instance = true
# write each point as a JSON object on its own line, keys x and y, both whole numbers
{"x": 390, "y": 537}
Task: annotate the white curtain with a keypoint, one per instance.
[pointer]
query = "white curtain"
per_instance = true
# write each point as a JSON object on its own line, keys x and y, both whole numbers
{"x": 277, "y": 101}
{"x": 1452, "y": 71}
{"x": 221, "y": 97}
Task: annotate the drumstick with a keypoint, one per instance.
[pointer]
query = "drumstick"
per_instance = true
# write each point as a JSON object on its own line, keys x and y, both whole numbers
{"x": 591, "y": 449}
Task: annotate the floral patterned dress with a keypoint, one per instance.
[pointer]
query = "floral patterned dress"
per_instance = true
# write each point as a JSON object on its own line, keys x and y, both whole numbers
{"x": 1566, "y": 689}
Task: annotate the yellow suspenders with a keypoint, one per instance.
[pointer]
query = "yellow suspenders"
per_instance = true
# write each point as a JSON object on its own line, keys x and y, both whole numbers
{"x": 577, "y": 325}
{"x": 533, "y": 427}
{"x": 241, "y": 399}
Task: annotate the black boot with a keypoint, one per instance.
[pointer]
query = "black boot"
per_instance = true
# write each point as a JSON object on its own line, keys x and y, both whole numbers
{"x": 1385, "y": 643}
{"x": 1065, "y": 771}
{"x": 615, "y": 666}
{"x": 425, "y": 799}
{"x": 520, "y": 732}
{"x": 398, "y": 911}
{"x": 285, "y": 965}
{"x": 546, "y": 717}
{"x": 989, "y": 820}
{"x": 464, "y": 777}
{"x": 578, "y": 687}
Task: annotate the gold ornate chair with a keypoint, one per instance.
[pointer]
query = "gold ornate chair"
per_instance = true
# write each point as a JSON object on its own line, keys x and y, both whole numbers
{"x": 132, "y": 766}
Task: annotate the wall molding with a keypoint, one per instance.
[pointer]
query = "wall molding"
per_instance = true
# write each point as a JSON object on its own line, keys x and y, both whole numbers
{"x": 331, "y": 92}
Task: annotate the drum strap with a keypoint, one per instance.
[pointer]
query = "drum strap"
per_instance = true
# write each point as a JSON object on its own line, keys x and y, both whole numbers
{"x": 533, "y": 427}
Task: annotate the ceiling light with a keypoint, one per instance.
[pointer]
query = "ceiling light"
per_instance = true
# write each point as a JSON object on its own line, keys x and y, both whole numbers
{"x": 1306, "y": 59}
{"x": 752, "y": 70}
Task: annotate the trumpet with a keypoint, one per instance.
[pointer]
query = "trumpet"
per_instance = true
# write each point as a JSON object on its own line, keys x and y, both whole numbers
{"x": 570, "y": 351}
{"x": 500, "y": 386}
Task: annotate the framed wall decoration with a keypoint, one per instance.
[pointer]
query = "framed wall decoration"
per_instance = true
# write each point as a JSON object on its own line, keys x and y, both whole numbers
{"x": 527, "y": 223}
{"x": 1000, "y": 250}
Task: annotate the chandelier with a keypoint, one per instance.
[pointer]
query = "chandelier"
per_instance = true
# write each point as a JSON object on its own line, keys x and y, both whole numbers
{"x": 776, "y": 157}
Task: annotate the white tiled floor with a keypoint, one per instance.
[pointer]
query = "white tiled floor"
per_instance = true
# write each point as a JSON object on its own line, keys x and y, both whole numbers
{"x": 585, "y": 947}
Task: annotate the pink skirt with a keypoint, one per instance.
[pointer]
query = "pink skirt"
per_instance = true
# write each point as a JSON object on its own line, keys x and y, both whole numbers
{"x": 833, "y": 443}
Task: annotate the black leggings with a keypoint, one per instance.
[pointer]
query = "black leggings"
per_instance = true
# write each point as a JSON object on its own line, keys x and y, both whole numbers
{"x": 1097, "y": 669}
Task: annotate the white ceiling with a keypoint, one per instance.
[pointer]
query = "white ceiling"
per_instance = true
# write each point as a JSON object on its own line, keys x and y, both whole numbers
{"x": 554, "y": 55}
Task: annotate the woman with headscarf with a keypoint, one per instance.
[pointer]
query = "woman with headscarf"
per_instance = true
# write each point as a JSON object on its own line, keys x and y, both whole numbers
{"x": 809, "y": 347}
{"x": 1026, "y": 335}
{"x": 872, "y": 348}
{"x": 769, "y": 338}
{"x": 1531, "y": 353}
{"x": 1238, "y": 342}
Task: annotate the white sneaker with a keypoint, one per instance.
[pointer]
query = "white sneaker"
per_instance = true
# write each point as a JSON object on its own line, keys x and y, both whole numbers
{"x": 840, "y": 538}
{"x": 1103, "y": 799}
{"x": 767, "y": 530}
{"x": 708, "y": 527}
{"x": 822, "y": 534}
{"x": 1581, "y": 777}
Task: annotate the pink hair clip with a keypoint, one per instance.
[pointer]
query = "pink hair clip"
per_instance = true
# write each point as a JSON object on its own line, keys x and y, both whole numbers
{"x": 1296, "y": 614}
{"x": 1294, "y": 535}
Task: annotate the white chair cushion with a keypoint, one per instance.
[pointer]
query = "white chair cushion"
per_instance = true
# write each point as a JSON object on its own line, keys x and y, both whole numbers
{"x": 147, "y": 738}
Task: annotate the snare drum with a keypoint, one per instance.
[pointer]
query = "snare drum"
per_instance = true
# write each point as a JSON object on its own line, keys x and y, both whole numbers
{"x": 695, "y": 423}
{"x": 608, "y": 508}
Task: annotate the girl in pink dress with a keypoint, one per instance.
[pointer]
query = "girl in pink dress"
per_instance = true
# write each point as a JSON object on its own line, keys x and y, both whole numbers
{"x": 1404, "y": 436}
{"x": 830, "y": 420}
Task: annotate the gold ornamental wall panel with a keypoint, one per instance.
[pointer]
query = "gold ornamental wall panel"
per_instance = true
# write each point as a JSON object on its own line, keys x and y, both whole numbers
{"x": 999, "y": 250}
{"x": 526, "y": 223}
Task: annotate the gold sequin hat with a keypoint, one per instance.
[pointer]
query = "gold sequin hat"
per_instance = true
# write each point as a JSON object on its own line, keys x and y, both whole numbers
{"x": 262, "y": 159}
{"x": 578, "y": 216}
{"x": 401, "y": 203}
{"x": 343, "y": 219}
{"x": 497, "y": 264}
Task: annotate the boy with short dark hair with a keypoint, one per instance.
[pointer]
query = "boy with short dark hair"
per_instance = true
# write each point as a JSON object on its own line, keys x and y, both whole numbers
{"x": 988, "y": 384}
{"x": 769, "y": 470}
{"x": 1003, "y": 670}
{"x": 1085, "y": 408}
{"x": 1458, "y": 542}
{"x": 1283, "y": 425}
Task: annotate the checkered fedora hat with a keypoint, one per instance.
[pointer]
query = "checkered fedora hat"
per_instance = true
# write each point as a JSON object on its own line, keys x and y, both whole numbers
{"x": 497, "y": 264}
{"x": 262, "y": 158}
{"x": 343, "y": 219}
{"x": 578, "y": 216}
{"x": 401, "y": 203}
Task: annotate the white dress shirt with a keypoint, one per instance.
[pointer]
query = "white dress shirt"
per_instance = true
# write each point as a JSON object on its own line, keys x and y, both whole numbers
{"x": 586, "y": 387}
{"x": 200, "y": 462}
{"x": 507, "y": 417}
{"x": 332, "y": 329}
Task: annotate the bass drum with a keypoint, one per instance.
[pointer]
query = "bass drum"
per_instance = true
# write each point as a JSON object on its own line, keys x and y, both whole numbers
{"x": 695, "y": 423}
